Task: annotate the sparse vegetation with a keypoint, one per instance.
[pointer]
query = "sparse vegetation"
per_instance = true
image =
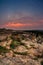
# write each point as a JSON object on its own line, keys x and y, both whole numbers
{"x": 3, "y": 50}
{"x": 14, "y": 44}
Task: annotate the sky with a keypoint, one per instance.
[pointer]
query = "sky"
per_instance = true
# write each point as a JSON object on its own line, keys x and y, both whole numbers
{"x": 21, "y": 14}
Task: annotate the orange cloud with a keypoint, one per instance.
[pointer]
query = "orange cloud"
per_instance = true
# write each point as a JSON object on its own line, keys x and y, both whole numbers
{"x": 17, "y": 24}
{"x": 23, "y": 25}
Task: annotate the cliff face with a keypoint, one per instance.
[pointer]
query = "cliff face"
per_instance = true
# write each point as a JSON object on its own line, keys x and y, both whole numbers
{"x": 18, "y": 48}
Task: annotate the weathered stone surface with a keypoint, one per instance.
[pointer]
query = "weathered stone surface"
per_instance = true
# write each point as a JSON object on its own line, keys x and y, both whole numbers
{"x": 20, "y": 49}
{"x": 28, "y": 49}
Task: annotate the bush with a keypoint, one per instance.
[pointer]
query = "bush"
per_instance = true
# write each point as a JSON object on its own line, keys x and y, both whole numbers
{"x": 14, "y": 44}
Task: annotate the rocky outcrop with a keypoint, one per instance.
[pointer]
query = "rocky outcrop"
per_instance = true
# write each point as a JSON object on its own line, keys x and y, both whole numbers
{"x": 22, "y": 49}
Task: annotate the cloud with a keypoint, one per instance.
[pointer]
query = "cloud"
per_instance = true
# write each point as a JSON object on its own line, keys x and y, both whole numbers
{"x": 24, "y": 22}
{"x": 17, "y": 25}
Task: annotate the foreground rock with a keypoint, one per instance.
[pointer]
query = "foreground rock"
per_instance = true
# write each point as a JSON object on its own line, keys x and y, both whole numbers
{"x": 18, "y": 60}
{"x": 21, "y": 49}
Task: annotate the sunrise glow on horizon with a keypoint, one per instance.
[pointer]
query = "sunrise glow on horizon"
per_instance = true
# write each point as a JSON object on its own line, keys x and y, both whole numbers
{"x": 21, "y": 14}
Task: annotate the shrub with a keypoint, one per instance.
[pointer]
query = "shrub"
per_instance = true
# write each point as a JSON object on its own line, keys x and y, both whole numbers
{"x": 14, "y": 44}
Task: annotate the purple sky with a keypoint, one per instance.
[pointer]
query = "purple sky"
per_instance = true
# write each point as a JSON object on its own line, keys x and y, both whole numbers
{"x": 21, "y": 14}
